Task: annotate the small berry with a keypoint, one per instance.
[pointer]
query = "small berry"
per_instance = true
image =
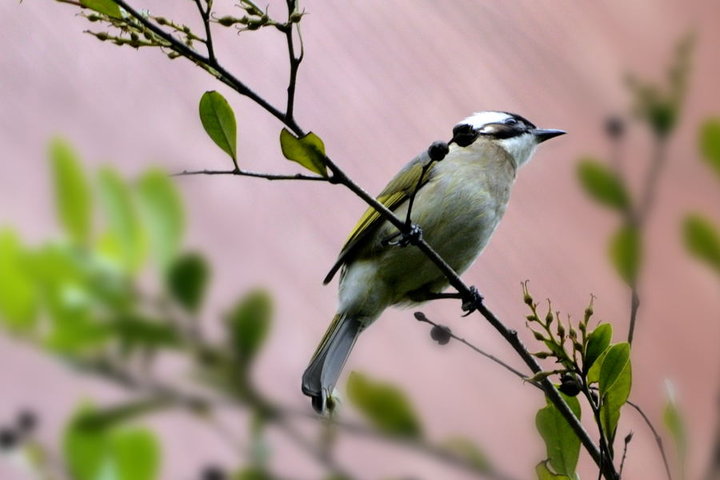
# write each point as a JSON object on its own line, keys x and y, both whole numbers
{"x": 213, "y": 472}
{"x": 569, "y": 385}
{"x": 438, "y": 151}
{"x": 441, "y": 334}
{"x": 26, "y": 421}
{"x": 614, "y": 127}
{"x": 464, "y": 134}
{"x": 8, "y": 438}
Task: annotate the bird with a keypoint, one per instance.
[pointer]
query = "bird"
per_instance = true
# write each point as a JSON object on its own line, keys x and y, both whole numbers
{"x": 457, "y": 199}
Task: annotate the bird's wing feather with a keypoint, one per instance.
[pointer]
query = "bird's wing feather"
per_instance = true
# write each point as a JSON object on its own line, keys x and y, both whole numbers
{"x": 393, "y": 195}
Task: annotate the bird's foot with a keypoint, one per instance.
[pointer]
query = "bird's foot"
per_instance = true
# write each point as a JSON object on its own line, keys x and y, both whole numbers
{"x": 411, "y": 237}
{"x": 472, "y": 303}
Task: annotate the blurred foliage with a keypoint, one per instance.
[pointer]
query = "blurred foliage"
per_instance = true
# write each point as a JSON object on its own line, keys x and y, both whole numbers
{"x": 384, "y": 405}
{"x": 700, "y": 235}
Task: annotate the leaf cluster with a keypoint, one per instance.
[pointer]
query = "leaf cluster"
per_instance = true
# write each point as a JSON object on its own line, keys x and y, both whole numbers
{"x": 586, "y": 362}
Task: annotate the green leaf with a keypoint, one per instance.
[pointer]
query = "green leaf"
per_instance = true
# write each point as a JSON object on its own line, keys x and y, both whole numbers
{"x": 561, "y": 442}
{"x": 603, "y": 184}
{"x": 122, "y": 218}
{"x": 72, "y": 192}
{"x": 187, "y": 279}
{"x": 251, "y": 474}
{"x": 615, "y": 384}
{"x": 249, "y": 323}
{"x": 626, "y": 253}
{"x": 308, "y": 151}
{"x": 136, "y": 331}
{"x": 18, "y": 297}
{"x": 593, "y": 375}
{"x": 710, "y": 143}
{"x": 163, "y": 215}
{"x": 702, "y": 240}
{"x": 598, "y": 341}
{"x": 106, "y": 418}
{"x": 84, "y": 449}
{"x": 106, "y": 7}
{"x": 544, "y": 473}
{"x": 467, "y": 449}
{"x": 100, "y": 454}
{"x": 384, "y": 405}
{"x": 218, "y": 119}
{"x": 136, "y": 454}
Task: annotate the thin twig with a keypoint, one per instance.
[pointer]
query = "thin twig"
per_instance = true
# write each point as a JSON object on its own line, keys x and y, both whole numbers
{"x": 476, "y": 349}
{"x": 205, "y": 15}
{"x": 639, "y": 217}
{"x": 244, "y": 173}
{"x": 628, "y": 438}
{"x": 658, "y": 439}
{"x": 295, "y": 60}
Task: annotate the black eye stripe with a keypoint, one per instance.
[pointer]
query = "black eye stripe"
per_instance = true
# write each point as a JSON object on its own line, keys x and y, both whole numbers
{"x": 521, "y": 119}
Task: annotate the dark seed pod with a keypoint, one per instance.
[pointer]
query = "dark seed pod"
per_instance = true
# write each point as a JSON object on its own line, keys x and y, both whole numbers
{"x": 614, "y": 127}
{"x": 464, "y": 134}
{"x": 213, "y": 472}
{"x": 441, "y": 334}
{"x": 438, "y": 150}
{"x": 26, "y": 421}
{"x": 569, "y": 385}
{"x": 8, "y": 439}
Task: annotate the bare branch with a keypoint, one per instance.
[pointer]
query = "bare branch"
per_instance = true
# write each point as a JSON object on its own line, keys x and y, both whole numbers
{"x": 244, "y": 173}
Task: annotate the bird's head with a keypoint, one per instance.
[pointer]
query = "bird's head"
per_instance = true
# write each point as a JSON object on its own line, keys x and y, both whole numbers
{"x": 515, "y": 134}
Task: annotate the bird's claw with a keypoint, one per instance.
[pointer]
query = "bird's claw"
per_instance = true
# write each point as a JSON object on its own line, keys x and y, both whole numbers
{"x": 472, "y": 303}
{"x": 411, "y": 237}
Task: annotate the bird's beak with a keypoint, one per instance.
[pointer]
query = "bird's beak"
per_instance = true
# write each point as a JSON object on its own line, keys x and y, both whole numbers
{"x": 546, "y": 134}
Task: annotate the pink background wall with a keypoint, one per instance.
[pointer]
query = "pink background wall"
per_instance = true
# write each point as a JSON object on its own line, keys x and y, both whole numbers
{"x": 381, "y": 81}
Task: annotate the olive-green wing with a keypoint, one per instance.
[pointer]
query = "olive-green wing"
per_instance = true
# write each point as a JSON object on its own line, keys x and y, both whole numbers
{"x": 394, "y": 194}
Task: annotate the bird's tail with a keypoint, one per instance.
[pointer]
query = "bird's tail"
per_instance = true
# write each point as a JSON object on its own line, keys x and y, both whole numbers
{"x": 325, "y": 367}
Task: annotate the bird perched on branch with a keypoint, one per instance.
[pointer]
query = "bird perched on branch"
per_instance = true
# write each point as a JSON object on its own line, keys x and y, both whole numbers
{"x": 456, "y": 193}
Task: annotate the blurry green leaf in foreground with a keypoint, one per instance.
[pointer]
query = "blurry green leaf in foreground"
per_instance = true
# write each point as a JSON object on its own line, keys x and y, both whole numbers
{"x": 465, "y": 448}
{"x": 72, "y": 192}
{"x": 116, "y": 453}
{"x": 122, "y": 218}
{"x": 162, "y": 214}
{"x": 135, "y": 331}
{"x": 249, "y": 324}
{"x": 561, "y": 442}
{"x": 18, "y": 302}
{"x": 626, "y": 253}
{"x": 702, "y": 239}
{"x": 384, "y": 405}
{"x": 187, "y": 279}
{"x": 602, "y": 184}
{"x": 218, "y": 120}
{"x": 110, "y": 417}
{"x": 598, "y": 341}
{"x": 106, "y": 7}
{"x": 710, "y": 143}
{"x": 673, "y": 421}
{"x": 615, "y": 384}
{"x": 308, "y": 151}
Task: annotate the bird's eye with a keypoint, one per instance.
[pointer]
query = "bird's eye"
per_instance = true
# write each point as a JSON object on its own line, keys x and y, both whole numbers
{"x": 511, "y": 121}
